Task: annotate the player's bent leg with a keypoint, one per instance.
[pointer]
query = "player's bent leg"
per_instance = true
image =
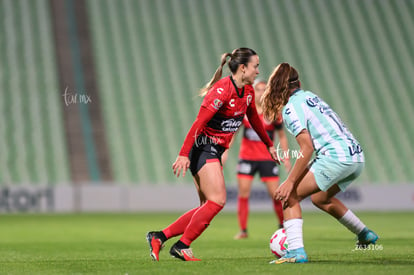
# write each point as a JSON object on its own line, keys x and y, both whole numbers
{"x": 211, "y": 185}
{"x": 293, "y": 220}
{"x": 211, "y": 182}
{"x": 307, "y": 186}
{"x": 326, "y": 201}
{"x": 331, "y": 205}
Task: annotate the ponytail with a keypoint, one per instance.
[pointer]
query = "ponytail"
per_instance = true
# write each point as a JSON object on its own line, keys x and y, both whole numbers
{"x": 237, "y": 57}
{"x": 278, "y": 88}
{"x": 217, "y": 75}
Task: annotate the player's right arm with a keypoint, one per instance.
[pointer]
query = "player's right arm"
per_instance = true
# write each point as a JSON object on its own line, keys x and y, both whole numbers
{"x": 212, "y": 102}
{"x": 183, "y": 162}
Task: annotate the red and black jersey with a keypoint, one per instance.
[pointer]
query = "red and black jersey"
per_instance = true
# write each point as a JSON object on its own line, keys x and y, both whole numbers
{"x": 221, "y": 115}
{"x": 230, "y": 105}
{"x": 252, "y": 148}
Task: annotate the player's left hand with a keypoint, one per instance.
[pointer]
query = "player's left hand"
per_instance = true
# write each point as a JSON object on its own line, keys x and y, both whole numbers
{"x": 273, "y": 153}
{"x": 282, "y": 193}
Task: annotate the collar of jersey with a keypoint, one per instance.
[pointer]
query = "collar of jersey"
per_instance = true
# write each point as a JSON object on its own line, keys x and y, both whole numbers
{"x": 296, "y": 91}
{"x": 237, "y": 90}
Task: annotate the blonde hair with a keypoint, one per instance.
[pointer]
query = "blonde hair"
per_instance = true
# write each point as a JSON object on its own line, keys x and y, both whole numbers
{"x": 237, "y": 57}
{"x": 278, "y": 88}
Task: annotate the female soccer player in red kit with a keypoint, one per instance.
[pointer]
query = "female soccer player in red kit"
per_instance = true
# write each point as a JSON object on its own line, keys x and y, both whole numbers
{"x": 225, "y": 103}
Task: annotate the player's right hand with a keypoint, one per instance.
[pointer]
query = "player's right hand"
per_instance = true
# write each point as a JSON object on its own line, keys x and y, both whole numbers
{"x": 181, "y": 163}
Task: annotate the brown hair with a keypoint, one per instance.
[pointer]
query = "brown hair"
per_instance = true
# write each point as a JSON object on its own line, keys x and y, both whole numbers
{"x": 283, "y": 79}
{"x": 237, "y": 57}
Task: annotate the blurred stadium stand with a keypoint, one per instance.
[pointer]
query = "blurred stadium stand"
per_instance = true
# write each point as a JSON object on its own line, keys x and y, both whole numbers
{"x": 32, "y": 134}
{"x": 150, "y": 58}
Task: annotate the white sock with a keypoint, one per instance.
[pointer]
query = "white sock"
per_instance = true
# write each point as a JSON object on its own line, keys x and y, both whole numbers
{"x": 294, "y": 234}
{"x": 352, "y": 222}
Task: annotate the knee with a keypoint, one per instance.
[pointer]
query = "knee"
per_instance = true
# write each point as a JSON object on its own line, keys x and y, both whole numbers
{"x": 244, "y": 193}
{"x": 221, "y": 200}
{"x": 319, "y": 201}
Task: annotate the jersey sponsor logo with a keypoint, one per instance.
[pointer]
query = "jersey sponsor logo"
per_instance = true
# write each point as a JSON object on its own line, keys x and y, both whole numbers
{"x": 230, "y": 125}
{"x": 219, "y": 90}
{"x": 225, "y": 124}
{"x": 249, "y": 99}
{"x": 312, "y": 102}
{"x": 217, "y": 104}
{"x": 317, "y": 102}
{"x": 231, "y": 102}
{"x": 355, "y": 149}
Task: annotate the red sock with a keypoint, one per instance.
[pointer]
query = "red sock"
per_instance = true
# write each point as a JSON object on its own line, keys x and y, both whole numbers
{"x": 178, "y": 227}
{"x": 200, "y": 220}
{"x": 243, "y": 212}
{"x": 277, "y": 205}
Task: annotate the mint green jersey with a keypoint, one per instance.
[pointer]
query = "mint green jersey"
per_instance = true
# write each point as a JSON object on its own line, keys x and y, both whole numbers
{"x": 330, "y": 137}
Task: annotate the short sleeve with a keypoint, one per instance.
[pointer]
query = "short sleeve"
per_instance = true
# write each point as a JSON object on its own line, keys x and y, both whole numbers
{"x": 294, "y": 119}
{"x": 216, "y": 97}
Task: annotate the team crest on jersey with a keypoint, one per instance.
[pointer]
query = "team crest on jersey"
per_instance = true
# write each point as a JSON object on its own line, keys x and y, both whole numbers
{"x": 312, "y": 102}
{"x": 217, "y": 104}
{"x": 249, "y": 99}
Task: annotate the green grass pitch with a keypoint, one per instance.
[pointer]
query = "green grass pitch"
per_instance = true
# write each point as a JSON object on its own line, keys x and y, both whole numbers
{"x": 115, "y": 244}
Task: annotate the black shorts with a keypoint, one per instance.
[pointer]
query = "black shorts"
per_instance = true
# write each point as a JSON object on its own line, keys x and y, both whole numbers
{"x": 268, "y": 170}
{"x": 204, "y": 151}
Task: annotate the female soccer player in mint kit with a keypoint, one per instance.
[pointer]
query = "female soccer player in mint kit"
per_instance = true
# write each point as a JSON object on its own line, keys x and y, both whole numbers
{"x": 225, "y": 103}
{"x": 339, "y": 159}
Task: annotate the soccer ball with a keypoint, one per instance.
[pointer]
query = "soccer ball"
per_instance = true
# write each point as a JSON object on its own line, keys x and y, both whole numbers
{"x": 278, "y": 243}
